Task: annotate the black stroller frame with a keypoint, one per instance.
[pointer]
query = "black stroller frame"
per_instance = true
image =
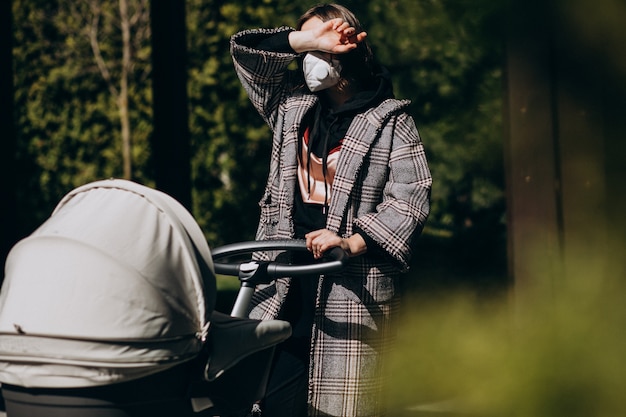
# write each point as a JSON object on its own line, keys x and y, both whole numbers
{"x": 229, "y": 394}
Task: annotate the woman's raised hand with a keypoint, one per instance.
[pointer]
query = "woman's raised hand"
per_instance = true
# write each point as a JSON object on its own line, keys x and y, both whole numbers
{"x": 335, "y": 36}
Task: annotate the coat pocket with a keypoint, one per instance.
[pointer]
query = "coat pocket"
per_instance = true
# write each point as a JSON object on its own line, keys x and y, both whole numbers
{"x": 366, "y": 283}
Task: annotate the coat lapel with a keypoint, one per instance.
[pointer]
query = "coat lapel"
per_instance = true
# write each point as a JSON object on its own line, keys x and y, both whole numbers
{"x": 361, "y": 135}
{"x": 296, "y": 108}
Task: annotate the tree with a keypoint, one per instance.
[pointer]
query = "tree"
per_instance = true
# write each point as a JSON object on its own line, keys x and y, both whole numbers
{"x": 132, "y": 18}
{"x": 230, "y": 142}
{"x": 68, "y": 123}
{"x": 447, "y": 59}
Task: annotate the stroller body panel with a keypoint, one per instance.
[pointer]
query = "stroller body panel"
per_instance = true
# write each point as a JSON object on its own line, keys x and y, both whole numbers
{"x": 131, "y": 263}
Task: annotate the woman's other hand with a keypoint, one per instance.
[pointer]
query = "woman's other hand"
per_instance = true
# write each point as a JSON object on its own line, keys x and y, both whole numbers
{"x": 319, "y": 241}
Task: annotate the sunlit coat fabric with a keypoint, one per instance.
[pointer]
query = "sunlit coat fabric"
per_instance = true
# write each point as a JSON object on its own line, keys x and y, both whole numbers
{"x": 117, "y": 284}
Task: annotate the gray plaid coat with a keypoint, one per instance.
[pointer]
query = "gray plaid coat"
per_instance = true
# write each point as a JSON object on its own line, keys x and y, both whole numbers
{"x": 382, "y": 185}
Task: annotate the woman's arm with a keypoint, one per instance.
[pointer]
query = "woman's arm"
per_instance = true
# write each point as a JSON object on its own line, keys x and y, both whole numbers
{"x": 405, "y": 205}
{"x": 263, "y": 74}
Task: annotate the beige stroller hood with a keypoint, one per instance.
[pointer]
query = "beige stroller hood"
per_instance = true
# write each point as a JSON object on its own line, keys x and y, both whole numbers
{"x": 117, "y": 284}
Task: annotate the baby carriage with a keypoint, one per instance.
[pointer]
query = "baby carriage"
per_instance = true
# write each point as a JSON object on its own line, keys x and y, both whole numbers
{"x": 107, "y": 310}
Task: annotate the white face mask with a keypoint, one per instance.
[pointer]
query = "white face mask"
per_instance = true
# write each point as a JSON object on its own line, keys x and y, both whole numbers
{"x": 320, "y": 74}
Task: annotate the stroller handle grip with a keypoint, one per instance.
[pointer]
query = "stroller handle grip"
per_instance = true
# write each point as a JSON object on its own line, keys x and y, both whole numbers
{"x": 334, "y": 260}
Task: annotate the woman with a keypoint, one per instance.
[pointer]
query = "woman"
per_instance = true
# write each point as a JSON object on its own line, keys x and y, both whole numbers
{"x": 347, "y": 169}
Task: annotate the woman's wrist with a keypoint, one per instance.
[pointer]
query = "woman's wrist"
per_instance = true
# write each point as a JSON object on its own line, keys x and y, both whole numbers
{"x": 301, "y": 41}
{"x": 354, "y": 245}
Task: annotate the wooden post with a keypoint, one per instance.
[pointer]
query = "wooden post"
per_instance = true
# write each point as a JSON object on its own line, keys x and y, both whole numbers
{"x": 170, "y": 139}
{"x": 565, "y": 154}
{"x": 8, "y": 187}
{"x": 531, "y": 153}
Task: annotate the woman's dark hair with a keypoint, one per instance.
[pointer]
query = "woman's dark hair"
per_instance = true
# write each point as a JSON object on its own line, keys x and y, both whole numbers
{"x": 358, "y": 65}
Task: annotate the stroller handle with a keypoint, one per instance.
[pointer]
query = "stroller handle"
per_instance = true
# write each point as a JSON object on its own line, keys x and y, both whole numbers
{"x": 261, "y": 272}
{"x": 334, "y": 260}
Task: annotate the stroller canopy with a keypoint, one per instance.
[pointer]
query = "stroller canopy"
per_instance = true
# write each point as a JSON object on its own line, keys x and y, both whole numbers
{"x": 117, "y": 284}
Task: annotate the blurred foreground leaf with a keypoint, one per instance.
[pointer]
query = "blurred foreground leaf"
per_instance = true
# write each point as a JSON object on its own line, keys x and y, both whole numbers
{"x": 560, "y": 356}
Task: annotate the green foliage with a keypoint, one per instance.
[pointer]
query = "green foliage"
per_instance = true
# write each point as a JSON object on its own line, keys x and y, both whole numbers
{"x": 547, "y": 356}
{"x": 444, "y": 55}
{"x": 230, "y": 142}
{"x": 67, "y": 120}
{"x": 443, "y": 59}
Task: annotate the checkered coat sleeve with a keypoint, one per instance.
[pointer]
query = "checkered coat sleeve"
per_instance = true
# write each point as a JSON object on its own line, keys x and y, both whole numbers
{"x": 382, "y": 186}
